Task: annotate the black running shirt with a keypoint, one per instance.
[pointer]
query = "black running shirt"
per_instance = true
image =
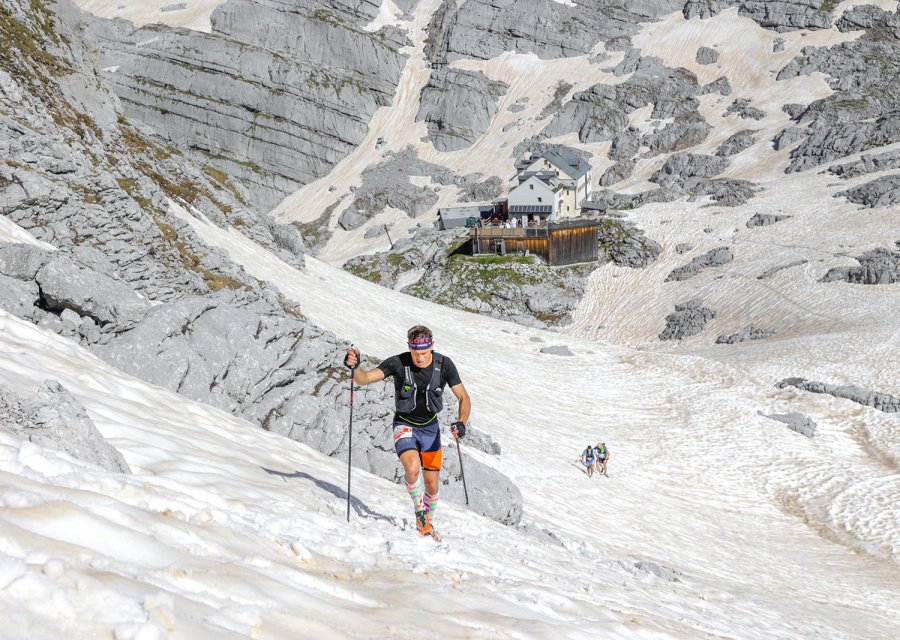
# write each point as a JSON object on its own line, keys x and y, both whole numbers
{"x": 394, "y": 366}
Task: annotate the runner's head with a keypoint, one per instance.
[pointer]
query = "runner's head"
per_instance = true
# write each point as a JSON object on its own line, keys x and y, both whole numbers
{"x": 421, "y": 344}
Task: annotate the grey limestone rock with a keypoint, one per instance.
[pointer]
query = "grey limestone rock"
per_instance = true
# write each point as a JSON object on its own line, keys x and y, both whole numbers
{"x": 779, "y": 15}
{"x": 484, "y": 29}
{"x": 481, "y": 191}
{"x": 881, "y": 401}
{"x": 802, "y": 424}
{"x": 768, "y": 273}
{"x": 861, "y": 113}
{"x": 787, "y": 15}
{"x": 879, "y": 266}
{"x": 350, "y": 219}
{"x": 765, "y": 219}
{"x": 679, "y": 169}
{"x": 562, "y": 88}
{"x": 727, "y": 192}
{"x": 747, "y": 333}
{"x": 607, "y": 200}
{"x": 743, "y": 108}
{"x": 618, "y": 172}
{"x": 688, "y": 319}
{"x": 490, "y": 493}
{"x": 557, "y": 350}
{"x": 173, "y": 7}
{"x": 789, "y": 136}
{"x": 685, "y": 131}
{"x": 714, "y": 258}
{"x": 17, "y": 297}
{"x": 22, "y": 261}
{"x": 704, "y": 9}
{"x": 475, "y": 438}
{"x": 707, "y": 55}
{"x": 387, "y": 184}
{"x": 374, "y": 232}
{"x": 625, "y": 145}
{"x": 777, "y": 45}
{"x": 458, "y": 105}
{"x": 600, "y": 113}
{"x": 625, "y": 244}
{"x": 794, "y": 110}
{"x": 66, "y": 285}
{"x": 881, "y": 192}
{"x": 867, "y": 163}
{"x": 683, "y": 247}
{"x": 737, "y": 142}
{"x": 276, "y": 95}
{"x": 55, "y": 419}
{"x": 719, "y": 85}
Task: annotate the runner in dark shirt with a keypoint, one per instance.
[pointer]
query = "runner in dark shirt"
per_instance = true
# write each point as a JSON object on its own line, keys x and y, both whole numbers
{"x": 420, "y": 376}
{"x": 394, "y": 366}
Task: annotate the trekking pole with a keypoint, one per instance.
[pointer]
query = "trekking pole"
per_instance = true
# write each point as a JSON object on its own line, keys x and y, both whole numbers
{"x": 462, "y": 471}
{"x": 350, "y": 441}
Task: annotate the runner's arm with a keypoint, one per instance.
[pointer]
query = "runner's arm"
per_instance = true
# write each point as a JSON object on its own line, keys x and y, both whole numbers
{"x": 465, "y": 405}
{"x": 362, "y": 376}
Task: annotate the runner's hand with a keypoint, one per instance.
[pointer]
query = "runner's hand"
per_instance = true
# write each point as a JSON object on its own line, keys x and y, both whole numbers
{"x": 458, "y": 429}
{"x": 351, "y": 360}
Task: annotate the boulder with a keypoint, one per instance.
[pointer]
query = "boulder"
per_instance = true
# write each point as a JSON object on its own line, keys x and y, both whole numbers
{"x": 55, "y": 419}
{"x": 67, "y": 285}
{"x": 688, "y": 319}
{"x": 802, "y": 424}
{"x": 765, "y": 219}
{"x": 747, "y": 333}
{"x": 706, "y": 55}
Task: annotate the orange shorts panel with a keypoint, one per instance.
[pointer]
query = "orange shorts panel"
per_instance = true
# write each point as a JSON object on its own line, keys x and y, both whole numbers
{"x": 432, "y": 460}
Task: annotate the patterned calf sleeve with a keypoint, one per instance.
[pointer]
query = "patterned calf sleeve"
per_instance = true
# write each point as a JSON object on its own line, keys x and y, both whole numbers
{"x": 431, "y": 502}
{"x": 417, "y": 493}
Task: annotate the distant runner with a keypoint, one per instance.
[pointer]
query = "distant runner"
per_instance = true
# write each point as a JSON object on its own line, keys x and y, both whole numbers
{"x": 587, "y": 459}
{"x": 602, "y": 457}
{"x": 420, "y": 375}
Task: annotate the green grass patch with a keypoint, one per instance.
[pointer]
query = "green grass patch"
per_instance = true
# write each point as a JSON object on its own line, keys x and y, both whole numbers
{"x": 507, "y": 259}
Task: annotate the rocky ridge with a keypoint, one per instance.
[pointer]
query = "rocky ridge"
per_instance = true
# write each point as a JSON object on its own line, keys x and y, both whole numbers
{"x": 881, "y": 401}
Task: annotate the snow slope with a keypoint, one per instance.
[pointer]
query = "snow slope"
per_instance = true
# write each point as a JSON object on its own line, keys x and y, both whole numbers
{"x": 225, "y": 530}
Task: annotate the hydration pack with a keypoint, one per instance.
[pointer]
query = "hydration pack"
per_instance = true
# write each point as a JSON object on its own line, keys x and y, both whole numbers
{"x": 405, "y": 400}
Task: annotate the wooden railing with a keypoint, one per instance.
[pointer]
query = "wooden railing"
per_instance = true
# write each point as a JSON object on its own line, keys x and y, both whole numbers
{"x": 511, "y": 232}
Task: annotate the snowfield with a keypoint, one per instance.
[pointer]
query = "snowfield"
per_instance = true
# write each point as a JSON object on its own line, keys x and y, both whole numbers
{"x": 714, "y": 521}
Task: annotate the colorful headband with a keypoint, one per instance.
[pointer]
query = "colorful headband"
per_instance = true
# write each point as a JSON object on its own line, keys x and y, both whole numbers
{"x": 422, "y": 342}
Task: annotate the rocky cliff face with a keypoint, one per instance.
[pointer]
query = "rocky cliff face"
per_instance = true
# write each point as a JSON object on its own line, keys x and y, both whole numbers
{"x": 484, "y": 29}
{"x": 274, "y": 97}
{"x": 458, "y": 106}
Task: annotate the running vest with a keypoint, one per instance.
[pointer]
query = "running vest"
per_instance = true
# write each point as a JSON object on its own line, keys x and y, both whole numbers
{"x": 405, "y": 401}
